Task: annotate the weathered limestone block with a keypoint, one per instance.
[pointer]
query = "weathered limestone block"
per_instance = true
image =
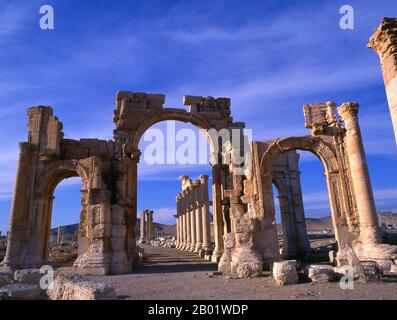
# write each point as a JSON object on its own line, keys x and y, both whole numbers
{"x": 119, "y": 230}
{"x": 117, "y": 243}
{"x": 224, "y": 265}
{"x": 373, "y": 251}
{"x": 73, "y": 287}
{"x": 384, "y": 264}
{"x": 117, "y": 214}
{"x": 246, "y": 260}
{"x": 319, "y": 116}
{"x": 45, "y": 130}
{"x": 346, "y": 256}
{"x": 134, "y": 103}
{"x": 208, "y": 104}
{"x": 119, "y": 257}
{"x": 88, "y": 143}
{"x": 21, "y": 291}
{"x": 101, "y": 153}
{"x": 31, "y": 276}
{"x": 75, "y": 153}
{"x": 285, "y": 273}
{"x": 95, "y": 261}
{"x": 320, "y": 273}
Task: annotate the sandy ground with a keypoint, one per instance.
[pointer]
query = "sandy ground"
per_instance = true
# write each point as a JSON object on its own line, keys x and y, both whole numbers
{"x": 170, "y": 274}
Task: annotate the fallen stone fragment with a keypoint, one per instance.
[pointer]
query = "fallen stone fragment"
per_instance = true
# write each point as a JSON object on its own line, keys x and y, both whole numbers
{"x": 320, "y": 273}
{"x": 30, "y": 276}
{"x": 284, "y": 272}
{"x": 21, "y": 291}
{"x": 74, "y": 287}
{"x": 385, "y": 265}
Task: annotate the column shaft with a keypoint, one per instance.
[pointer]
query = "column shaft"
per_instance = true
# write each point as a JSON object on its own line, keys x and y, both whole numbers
{"x": 217, "y": 212}
{"x": 142, "y": 227}
{"x": 369, "y": 224}
{"x": 205, "y": 213}
{"x": 384, "y": 42}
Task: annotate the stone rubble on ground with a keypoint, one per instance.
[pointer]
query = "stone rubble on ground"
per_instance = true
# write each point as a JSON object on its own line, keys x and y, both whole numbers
{"x": 285, "y": 273}
{"x": 75, "y": 287}
{"x": 319, "y": 273}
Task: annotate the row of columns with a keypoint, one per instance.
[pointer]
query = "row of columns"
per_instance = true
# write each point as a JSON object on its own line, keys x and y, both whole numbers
{"x": 147, "y": 226}
{"x": 193, "y": 218}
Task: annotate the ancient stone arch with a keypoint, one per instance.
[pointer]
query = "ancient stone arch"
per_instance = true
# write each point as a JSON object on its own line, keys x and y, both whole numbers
{"x": 335, "y": 177}
{"x": 253, "y": 244}
{"x": 108, "y": 169}
{"x": 242, "y": 193}
{"x": 136, "y": 112}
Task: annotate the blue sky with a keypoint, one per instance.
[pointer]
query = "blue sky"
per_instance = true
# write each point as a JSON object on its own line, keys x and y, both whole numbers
{"x": 269, "y": 57}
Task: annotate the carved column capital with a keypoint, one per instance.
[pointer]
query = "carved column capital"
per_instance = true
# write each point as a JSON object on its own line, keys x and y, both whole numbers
{"x": 384, "y": 39}
{"x": 348, "y": 110}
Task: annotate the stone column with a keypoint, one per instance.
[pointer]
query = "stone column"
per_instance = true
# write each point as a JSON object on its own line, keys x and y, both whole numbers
{"x": 147, "y": 228}
{"x": 184, "y": 235}
{"x": 149, "y": 225}
{"x": 369, "y": 224}
{"x": 205, "y": 213}
{"x": 384, "y": 42}
{"x": 178, "y": 221}
{"x": 188, "y": 222}
{"x": 142, "y": 236}
{"x": 192, "y": 211}
{"x": 176, "y": 230}
{"x": 198, "y": 216}
{"x": 59, "y": 234}
{"x": 152, "y": 232}
{"x": 217, "y": 212}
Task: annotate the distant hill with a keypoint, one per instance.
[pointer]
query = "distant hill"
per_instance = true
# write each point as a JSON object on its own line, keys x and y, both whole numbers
{"x": 158, "y": 227}
{"x": 312, "y": 224}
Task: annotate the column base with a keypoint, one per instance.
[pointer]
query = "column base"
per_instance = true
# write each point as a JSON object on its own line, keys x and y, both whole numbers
{"x": 199, "y": 246}
{"x": 216, "y": 254}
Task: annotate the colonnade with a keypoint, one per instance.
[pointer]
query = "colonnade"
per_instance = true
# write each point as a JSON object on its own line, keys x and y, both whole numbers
{"x": 147, "y": 226}
{"x": 193, "y": 217}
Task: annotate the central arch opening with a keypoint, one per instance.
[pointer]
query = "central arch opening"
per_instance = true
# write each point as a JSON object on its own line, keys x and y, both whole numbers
{"x": 170, "y": 150}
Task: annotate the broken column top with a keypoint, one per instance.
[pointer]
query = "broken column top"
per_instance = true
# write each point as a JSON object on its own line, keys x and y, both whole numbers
{"x": 319, "y": 115}
{"x": 186, "y": 182}
{"x": 348, "y": 110}
{"x": 385, "y": 36}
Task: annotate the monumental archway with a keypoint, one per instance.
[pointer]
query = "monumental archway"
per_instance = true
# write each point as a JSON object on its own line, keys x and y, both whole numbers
{"x": 136, "y": 112}
{"x": 108, "y": 170}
